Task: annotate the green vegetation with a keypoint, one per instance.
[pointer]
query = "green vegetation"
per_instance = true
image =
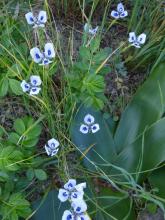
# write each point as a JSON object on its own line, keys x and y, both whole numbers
{"x": 85, "y": 122}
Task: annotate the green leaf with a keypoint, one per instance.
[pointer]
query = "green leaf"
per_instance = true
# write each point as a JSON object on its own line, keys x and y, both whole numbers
{"x": 30, "y": 174}
{"x": 9, "y": 158}
{"x": 85, "y": 53}
{"x": 146, "y": 107}
{"x": 49, "y": 207}
{"x": 95, "y": 44}
{"x": 146, "y": 153}
{"x": 40, "y": 174}
{"x": 95, "y": 146}
{"x": 17, "y": 206}
{"x": 19, "y": 126}
{"x": 157, "y": 180}
{"x": 13, "y": 137}
{"x": 4, "y": 84}
{"x": 15, "y": 86}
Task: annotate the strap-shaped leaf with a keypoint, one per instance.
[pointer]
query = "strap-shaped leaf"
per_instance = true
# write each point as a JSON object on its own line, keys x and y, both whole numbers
{"x": 93, "y": 145}
{"x": 146, "y": 107}
{"x": 147, "y": 152}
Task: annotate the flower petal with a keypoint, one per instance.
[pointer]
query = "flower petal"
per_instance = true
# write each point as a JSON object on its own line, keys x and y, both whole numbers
{"x": 87, "y": 27}
{"x": 25, "y": 86}
{"x": 84, "y": 217}
{"x": 79, "y": 206}
{"x": 120, "y": 7}
{"x": 36, "y": 54}
{"x": 84, "y": 129}
{"x": 141, "y": 38}
{"x": 67, "y": 215}
{"x": 80, "y": 187}
{"x": 48, "y": 150}
{"x": 34, "y": 90}
{"x": 93, "y": 31}
{"x": 42, "y": 17}
{"x": 49, "y": 50}
{"x": 95, "y": 128}
{"x": 77, "y": 195}
{"x": 54, "y": 152}
{"x": 123, "y": 14}
{"x": 136, "y": 44}
{"x": 45, "y": 62}
{"x": 115, "y": 14}
{"x": 30, "y": 18}
{"x": 89, "y": 119}
{"x": 53, "y": 143}
{"x": 70, "y": 184}
{"x": 35, "y": 80}
{"x": 63, "y": 195}
{"x": 132, "y": 37}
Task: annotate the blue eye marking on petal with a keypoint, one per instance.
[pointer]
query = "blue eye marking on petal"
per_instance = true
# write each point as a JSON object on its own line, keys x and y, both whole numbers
{"x": 132, "y": 38}
{"x": 34, "y": 89}
{"x": 26, "y": 86}
{"x": 64, "y": 194}
{"x": 52, "y": 145}
{"x": 89, "y": 120}
{"x": 49, "y": 52}
{"x": 70, "y": 185}
{"x": 42, "y": 17}
{"x": 75, "y": 195}
{"x": 84, "y": 129}
{"x": 69, "y": 217}
{"x": 34, "y": 81}
{"x": 31, "y": 19}
{"x": 94, "y": 127}
{"x": 82, "y": 218}
{"x": 46, "y": 61}
{"x": 116, "y": 14}
{"x": 78, "y": 209}
{"x": 37, "y": 56}
{"x": 122, "y": 14}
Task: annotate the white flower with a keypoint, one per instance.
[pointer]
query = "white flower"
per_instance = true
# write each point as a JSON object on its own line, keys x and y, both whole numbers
{"x": 71, "y": 191}
{"x": 25, "y": 86}
{"x": 79, "y": 206}
{"x": 89, "y": 125}
{"x": 34, "y": 90}
{"x": 43, "y": 58}
{"x": 32, "y": 87}
{"x": 35, "y": 80}
{"x": 36, "y": 21}
{"x": 52, "y": 147}
{"x": 137, "y": 41}
{"x": 120, "y": 13}
{"x": 90, "y": 30}
{"x": 49, "y": 50}
{"x": 89, "y": 119}
{"x": 68, "y": 215}
{"x": 36, "y": 54}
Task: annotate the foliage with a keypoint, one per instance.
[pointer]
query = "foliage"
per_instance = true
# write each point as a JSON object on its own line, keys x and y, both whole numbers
{"x": 140, "y": 131}
{"x": 85, "y": 79}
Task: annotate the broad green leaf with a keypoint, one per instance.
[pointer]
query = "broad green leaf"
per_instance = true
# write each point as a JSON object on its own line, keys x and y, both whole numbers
{"x": 146, "y": 107}
{"x": 95, "y": 146}
{"x": 49, "y": 207}
{"x": 19, "y": 126}
{"x": 40, "y": 174}
{"x": 148, "y": 151}
{"x": 9, "y": 157}
{"x": 4, "y": 84}
{"x": 157, "y": 180}
{"x": 30, "y": 174}
{"x": 16, "y": 207}
{"x": 15, "y": 86}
